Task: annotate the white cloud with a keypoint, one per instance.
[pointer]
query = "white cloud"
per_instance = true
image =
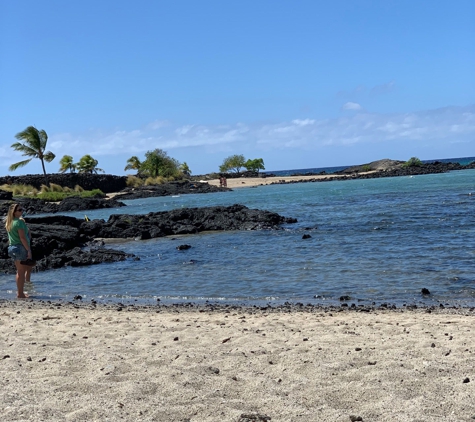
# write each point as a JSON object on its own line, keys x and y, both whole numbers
{"x": 351, "y": 106}
{"x": 450, "y": 124}
{"x": 183, "y": 130}
{"x": 304, "y": 122}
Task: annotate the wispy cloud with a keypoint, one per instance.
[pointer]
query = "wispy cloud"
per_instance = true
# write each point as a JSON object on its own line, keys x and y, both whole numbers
{"x": 451, "y": 124}
{"x": 383, "y": 88}
{"x": 351, "y": 106}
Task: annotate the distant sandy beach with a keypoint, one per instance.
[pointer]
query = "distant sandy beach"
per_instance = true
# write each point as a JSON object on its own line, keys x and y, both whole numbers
{"x": 62, "y": 362}
{"x": 242, "y": 182}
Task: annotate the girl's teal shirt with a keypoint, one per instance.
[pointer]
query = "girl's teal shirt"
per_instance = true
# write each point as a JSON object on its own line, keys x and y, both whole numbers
{"x": 13, "y": 236}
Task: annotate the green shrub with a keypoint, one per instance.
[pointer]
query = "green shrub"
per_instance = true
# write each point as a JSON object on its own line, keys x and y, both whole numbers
{"x": 44, "y": 188}
{"x": 52, "y": 196}
{"x": 20, "y": 190}
{"x": 59, "y": 196}
{"x": 55, "y": 188}
{"x": 52, "y": 193}
{"x": 134, "y": 181}
{"x": 95, "y": 193}
{"x": 413, "y": 162}
{"x": 366, "y": 167}
{"x": 159, "y": 180}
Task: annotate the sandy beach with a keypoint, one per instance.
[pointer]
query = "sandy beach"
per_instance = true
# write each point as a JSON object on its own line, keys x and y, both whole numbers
{"x": 64, "y": 362}
{"x": 242, "y": 182}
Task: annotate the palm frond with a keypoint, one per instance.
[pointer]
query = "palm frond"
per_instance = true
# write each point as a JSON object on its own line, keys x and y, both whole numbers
{"x": 25, "y": 149}
{"x": 15, "y": 166}
{"x": 31, "y": 136}
{"x": 43, "y": 138}
{"x": 49, "y": 156}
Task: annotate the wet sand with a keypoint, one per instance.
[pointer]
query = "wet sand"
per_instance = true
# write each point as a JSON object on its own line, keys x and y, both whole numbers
{"x": 59, "y": 362}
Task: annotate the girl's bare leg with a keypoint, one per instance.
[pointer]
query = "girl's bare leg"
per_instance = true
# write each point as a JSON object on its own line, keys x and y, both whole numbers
{"x": 20, "y": 279}
{"x": 28, "y": 274}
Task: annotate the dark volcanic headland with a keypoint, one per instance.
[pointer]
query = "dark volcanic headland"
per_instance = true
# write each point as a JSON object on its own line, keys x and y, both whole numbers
{"x": 382, "y": 168}
{"x": 60, "y": 241}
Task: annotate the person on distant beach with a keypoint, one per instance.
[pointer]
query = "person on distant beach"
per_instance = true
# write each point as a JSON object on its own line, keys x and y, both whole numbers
{"x": 19, "y": 245}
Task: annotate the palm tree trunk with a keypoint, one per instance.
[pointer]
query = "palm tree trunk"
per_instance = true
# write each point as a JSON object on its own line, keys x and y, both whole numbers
{"x": 44, "y": 170}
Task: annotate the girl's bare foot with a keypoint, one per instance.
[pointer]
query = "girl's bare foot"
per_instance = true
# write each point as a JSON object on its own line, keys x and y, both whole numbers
{"x": 22, "y": 296}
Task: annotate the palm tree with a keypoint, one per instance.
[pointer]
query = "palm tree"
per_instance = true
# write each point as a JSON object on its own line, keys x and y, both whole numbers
{"x": 133, "y": 163}
{"x": 185, "y": 169}
{"x": 34, "y": 146}
{"x": 67, "y": 164}
{"x": 87, "y": 164}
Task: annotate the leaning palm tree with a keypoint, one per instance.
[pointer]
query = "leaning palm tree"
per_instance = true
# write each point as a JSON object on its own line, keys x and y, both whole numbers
{"x": 185, "y": 169}
{"x": 34, "y": 146}
{"x": 67, "y": 164}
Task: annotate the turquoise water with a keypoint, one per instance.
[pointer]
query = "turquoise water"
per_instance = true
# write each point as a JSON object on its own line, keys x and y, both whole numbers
{"x": 376, "y": 240}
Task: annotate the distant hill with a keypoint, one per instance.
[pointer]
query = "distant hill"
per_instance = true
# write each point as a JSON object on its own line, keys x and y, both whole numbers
{"x": 380, "y": 165}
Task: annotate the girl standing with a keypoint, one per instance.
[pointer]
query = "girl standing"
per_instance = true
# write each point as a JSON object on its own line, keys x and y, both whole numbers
{"x": 19, "y": 244}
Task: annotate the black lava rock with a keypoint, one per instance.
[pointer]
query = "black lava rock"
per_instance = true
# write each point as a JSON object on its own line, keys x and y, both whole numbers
{"x": 59, "y": 240}
{"x": 183, "y": 247}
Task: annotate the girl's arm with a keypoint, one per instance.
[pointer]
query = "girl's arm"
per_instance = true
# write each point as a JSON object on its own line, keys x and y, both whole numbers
{"x": 24, "y": 241}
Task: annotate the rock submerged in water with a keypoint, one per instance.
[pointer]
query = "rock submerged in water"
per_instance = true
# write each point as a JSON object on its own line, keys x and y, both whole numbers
{"x": 183, "y": 247}
{"x": 60, "y": 241}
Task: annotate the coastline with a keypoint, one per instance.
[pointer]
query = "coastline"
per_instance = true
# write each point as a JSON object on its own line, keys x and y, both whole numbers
{"x": 82, "y": 362}
{"x": 249, "y": 182}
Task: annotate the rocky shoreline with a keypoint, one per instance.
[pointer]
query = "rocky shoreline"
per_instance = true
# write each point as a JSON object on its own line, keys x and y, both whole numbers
{"x": 75, "y": 203}
{"x": 60, "y": 241}
{"x": 220, "y": 308}
{"x": 182, "y": 187}
{"x": 370, "y": 171}
{"x": 118, "y": 185}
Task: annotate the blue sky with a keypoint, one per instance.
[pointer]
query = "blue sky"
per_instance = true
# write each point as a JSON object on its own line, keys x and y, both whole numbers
{"x": 300, "y": 84}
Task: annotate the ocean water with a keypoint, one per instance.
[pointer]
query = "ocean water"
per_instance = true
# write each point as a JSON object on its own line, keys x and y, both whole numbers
{"x": 376, "y": 240}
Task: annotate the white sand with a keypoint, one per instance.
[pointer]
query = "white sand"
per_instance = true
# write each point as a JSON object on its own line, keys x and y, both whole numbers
{"x": 242, "y": 182}
{"x": 67, "y": 364}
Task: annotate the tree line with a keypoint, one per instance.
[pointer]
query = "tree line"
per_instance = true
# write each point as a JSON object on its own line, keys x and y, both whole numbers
{"x": 235, "y": 163}
{"x": 32, "y": 144}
